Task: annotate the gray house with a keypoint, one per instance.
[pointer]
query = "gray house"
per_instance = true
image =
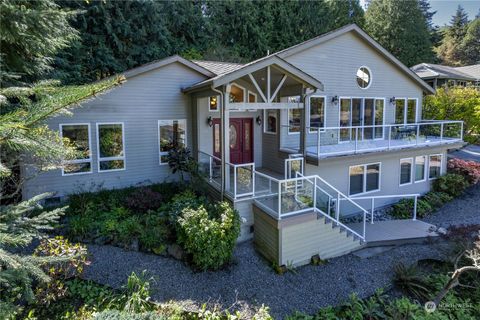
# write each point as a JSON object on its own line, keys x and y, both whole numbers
{"x": 306, "y": 143}
{"x": 438, "y": 76}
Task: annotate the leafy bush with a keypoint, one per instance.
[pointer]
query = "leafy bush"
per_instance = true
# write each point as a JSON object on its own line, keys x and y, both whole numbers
{"x": 404, "y": 208}
{"x": 437, "y": 199}
{"x": 452, "y": 184}
{"x": 75, "y": 260}
{"x": 209, "y": 237}
{"x": 187, "y": 199}
{"x": 143, "y": 199}
{"x": 470, "y": 170}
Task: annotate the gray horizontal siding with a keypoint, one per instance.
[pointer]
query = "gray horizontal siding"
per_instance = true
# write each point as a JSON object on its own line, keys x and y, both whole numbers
{"x": 139, "y": 104}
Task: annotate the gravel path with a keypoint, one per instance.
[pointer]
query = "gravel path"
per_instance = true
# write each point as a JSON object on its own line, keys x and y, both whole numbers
{"x": 250, "y": 281}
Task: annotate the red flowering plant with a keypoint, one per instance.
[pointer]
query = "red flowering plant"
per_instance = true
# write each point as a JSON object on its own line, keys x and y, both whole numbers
{"x": 470, "y": 170}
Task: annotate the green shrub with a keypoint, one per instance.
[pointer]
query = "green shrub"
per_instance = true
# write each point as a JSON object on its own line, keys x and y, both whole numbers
{"x": 209, "y": 236}
{"x": 404, "y": 209}
{"x": 75, "y": 259}
{"x": 437, "y": 199}
{"x": 122, "y": 315}
{"x": 143, "y": 199}
{"x": 452, "y": 184}
{"x": 187, "y": 199}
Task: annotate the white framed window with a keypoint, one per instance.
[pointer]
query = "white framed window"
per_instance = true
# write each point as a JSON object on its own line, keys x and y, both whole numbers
{"x": 317, "y": 114}
{"x": 252, "y": 97}
{"x": 78, "y": 135}
{"x": 172, "y": 134}
{"x": 406, "y": 110}
{"x": 420, "y": 168}
{"x": 364, "y": 178}
{"x": 270, "y": 121}
{"x": 111, "y": 146}
{"x": 364, "y": 77}
{"x": 294, "y": 120}
{"x": 406, "y": 167}
{"x": 434, "y": 166}
{"x": 213, "y": 103}
{"x": 237, "y": 93}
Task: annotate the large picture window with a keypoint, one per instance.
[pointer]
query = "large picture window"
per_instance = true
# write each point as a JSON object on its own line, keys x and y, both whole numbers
{"x": 405, "y": 111}
{"x": 111, "y": 146}
{"x": 434, "y": 166}
{"x": 270, "y": 118}
{"x": 78, "y": 137}
{"x": 364, "y": 178}
{"x": 406, "y": 166}
{"x": 172, "y": 135}
{"x": 317, "y": 113}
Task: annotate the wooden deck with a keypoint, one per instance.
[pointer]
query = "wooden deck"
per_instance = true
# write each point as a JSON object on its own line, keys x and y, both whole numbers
{"x": 395, "y": 232}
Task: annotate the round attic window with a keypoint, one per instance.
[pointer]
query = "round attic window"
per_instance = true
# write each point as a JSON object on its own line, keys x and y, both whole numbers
{"x": 364, "y": 77}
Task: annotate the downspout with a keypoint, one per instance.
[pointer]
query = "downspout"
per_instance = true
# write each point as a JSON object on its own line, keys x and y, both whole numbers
{"x": 222, "y": 141}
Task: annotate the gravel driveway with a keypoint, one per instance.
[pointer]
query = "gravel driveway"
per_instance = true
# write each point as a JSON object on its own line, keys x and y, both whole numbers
{"x": 250, "y": 281}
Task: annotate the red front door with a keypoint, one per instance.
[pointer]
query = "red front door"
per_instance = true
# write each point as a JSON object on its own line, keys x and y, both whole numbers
{"x": 241, "y": 140}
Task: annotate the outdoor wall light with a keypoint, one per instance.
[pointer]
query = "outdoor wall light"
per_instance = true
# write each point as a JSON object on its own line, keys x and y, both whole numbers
{"x": 392, "y": 100}
{"x": 334, "y": 99}
{"x": 258, "y": 120}
{"x": 210, "y": 121}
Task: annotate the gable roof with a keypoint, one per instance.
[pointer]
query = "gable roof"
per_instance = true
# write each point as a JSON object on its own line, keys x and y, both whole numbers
{"x": 218, "y": 67}
{"x": 430, "y": 70}
{"x": 243, "y": 70}
{"x": 166, "y": 61}
{"x": 473, "y": 70}
{"x": 363, "y": 35}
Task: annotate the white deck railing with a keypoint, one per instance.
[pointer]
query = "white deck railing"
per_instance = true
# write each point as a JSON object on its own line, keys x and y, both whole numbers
{"x": 328, "y": 141}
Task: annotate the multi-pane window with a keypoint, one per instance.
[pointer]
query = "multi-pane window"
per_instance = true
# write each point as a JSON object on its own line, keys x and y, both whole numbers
{"x": 294, "y": 120}
{"x": 172, "y": 135}
{"x": 317, "y": 113}
{"x": 364, "y": 178}
{"x": 237, "y": 93}
{"x": 420, "y": 165}
{"x": 405, "y": 111}
{"x": 270, "y": 118}
{"x": 434, "y": 166}
{"x": 111, "y": 146}
{"x": 406, "y": 166}
{"x": 78, "y": 137}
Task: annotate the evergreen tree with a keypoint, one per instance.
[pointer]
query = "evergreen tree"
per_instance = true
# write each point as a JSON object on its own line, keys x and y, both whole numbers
{"x": 470, "y": 45}
{"x": 345, "y": 12}
{"x": 401, "y": 28}
{"x": 450, "y": 50}
{"x": 31, "y": 34}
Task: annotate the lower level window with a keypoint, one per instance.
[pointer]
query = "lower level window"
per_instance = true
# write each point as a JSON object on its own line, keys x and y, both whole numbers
{"x": 111, "y": 146}
{"x": 78, "y": 137}
{"x": 172, "y": 135}
{"x": 364, "y": 178}
{"x": 420, "y": 163}
{"x": 434, "y": 166}
{"x": 406, "y": 166}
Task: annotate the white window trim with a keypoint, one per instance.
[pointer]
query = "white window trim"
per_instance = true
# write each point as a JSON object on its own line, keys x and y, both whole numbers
{"x": 424, "y": 169}
{"x": 441, "y": 165}
{"x": 362, "y": 115}
{"x": 253, "y": 94}
{"x": 265, "y": 123}
{"x": 412, "y": 178}
{"x": 405, "y": 109}
{"x": 218, "y": 104}
{"x": 124, "y": 158}
{"x": 371, "y": 77}
{"x": 78, "y": 160}
{"x": 241, "y": 87}
{"x": 364, "y": 187}
{"x": 164, "y": 153}
{"x": 288, "y": 123}
{"x": 322, "y": 128}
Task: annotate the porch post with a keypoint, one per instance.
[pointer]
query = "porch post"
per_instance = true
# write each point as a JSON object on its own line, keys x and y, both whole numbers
{"x": 225, "y": 138}
{"x": 303, "y": 124}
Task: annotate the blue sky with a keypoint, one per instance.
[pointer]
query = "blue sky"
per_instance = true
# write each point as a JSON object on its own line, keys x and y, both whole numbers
{"x": 446, "y": 9}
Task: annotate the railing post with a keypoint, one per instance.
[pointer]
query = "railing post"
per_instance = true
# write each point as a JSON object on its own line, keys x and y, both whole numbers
{"x": 364, "y": 224}
{"x": 279, "y": 200}
{"x": 356, "y": 139}
{"x": 389, "y": 136}
{"x": 337, "y": 209}
{"x": 441, "y": 131}
{"x": 415, "y": 209}
{"x": 318, "y": 143}
{"x": 418, "y": 132}
{"x": 234, "y": 182}
{"x": 210, "y": 173}
{"x": 373, "y": 210}
{"x": 461, "y": 130}
{"x": 253, "y": 178}
{"x": 315, "y": 193}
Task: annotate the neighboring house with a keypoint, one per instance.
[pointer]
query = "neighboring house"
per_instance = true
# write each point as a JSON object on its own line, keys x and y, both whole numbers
{"x": 298, "y": 141}
{"x": 438, "y": 76}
